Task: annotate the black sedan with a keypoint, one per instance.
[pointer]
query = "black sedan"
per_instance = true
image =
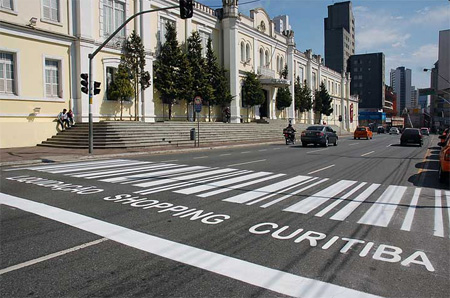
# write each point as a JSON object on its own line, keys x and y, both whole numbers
{"x": 319, "y": 135}
{"x": 411, "y": 136}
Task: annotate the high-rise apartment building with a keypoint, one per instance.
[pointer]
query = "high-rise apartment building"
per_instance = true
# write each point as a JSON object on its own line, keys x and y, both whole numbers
{"x": 339, "y": 35}
{"x": 367, "y": 74}
{"x": 400, "y": 80}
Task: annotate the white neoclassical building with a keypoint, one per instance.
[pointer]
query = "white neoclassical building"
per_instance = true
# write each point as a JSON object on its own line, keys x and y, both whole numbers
{"x": 46, "y": 43}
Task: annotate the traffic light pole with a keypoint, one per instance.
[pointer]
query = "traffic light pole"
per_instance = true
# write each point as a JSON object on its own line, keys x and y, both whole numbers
{"x": 92, "y": 55}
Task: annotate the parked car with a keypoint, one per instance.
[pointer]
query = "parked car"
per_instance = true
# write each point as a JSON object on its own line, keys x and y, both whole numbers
{"x": 425, "y": 131}
{"x": 444, "y": 160}
{"x": 411, "y": 136}
{"x": 394, "y": 131}
{"x": 380, "y": 129}
{"x": 362, "y": 132}
{"x": 319, "y": 135}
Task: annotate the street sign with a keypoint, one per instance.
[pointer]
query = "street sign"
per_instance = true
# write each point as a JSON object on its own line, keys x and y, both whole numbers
{"x": 427, "y": 91}
{"x": 198, "y": 104}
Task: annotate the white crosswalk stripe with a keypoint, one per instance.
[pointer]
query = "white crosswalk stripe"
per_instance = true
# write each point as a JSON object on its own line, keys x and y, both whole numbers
{"x": 307, "y": 205}
{"x": 360, "y": 202}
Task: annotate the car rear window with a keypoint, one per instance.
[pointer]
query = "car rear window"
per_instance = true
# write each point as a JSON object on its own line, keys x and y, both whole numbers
{"x": 315, "y": 128}
{"x": 361, "y": 129}
{"x": 411, "y": 132}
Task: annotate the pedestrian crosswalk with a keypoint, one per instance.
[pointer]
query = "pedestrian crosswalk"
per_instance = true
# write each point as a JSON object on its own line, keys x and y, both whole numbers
{"x": 363, "y": 203}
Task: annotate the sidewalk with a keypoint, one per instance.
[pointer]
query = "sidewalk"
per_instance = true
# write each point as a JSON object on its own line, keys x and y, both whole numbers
{"x": 38, "y": 154}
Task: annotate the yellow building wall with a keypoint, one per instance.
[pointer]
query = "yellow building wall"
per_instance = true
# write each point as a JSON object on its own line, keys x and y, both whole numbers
{"x": 30, "y": 112}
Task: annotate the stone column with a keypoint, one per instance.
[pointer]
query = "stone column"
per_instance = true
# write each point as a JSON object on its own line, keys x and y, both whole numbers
{"x": 290, "y": 65}
{"x": 309, "y": 83}
{"x": 231, "y": 51}
{"x": 146, "y": 30}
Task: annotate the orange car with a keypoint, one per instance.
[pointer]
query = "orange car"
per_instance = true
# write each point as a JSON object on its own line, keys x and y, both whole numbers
{"x": 362, "y": 132}
{"x": 444, "y": 160}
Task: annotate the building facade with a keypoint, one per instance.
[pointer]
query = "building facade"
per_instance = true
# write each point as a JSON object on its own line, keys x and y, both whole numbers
{"x": 400, "y": 80}
{"x": 339, "y": 35}
{"x": 367, "y": 74}
{"x": 45, "y": 48}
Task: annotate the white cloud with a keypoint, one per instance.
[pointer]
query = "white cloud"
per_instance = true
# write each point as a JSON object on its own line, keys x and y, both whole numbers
{"x": 435, "y": 15}
{"x": 428, "y": 52}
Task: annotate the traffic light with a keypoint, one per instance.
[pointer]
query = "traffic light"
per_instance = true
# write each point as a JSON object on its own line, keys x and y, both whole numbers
{"x": 340, "y": 118}
{"x": 186, "y": 9}
{"x": 97, "y": 87}
{"x": 84, "y": 83}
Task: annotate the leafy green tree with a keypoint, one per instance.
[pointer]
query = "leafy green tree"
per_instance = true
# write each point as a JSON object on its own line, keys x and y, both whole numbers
{"x": 134, "y": 59}
{"x": 170, "y": 63}
{"x": 322, "y": 102}
{"x": 121, "y": 88}
{"x": 302, "y": 95}
{"x": 201, "y": 85}
{"x": 252, "y": 92}
{"x": 216, "y": 76}
{"x": 284, "y": 97}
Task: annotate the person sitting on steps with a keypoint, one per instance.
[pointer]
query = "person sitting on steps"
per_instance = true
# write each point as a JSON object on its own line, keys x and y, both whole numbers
{"x": 62, "y": 119}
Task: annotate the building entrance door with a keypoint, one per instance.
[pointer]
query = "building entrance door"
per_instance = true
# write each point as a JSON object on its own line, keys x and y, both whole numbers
{"x": 263, "y": 109}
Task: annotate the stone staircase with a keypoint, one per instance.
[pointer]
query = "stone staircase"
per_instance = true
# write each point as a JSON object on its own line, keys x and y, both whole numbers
{"x": 130, "y": 134}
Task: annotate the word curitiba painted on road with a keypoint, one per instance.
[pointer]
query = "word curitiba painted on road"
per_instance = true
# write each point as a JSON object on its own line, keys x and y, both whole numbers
{"x": 383, "y": 252}
{"x": 57, "y": 185}
{"x": 177, "y": 210}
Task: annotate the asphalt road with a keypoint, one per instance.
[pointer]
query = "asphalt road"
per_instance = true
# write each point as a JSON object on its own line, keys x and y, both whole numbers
{"x": 365, "y": 218}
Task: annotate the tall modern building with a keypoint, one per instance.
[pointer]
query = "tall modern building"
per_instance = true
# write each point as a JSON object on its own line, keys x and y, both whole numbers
{"x": 367, "y": 74}
{"x": 339, "y": 35}
{"x": 401, "y": 82}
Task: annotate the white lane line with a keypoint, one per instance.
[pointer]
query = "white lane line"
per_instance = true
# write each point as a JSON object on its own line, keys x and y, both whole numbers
{"x": 95, "y": 167}
{"x": 266, "y": 190}
{"x": 294, "y": 192}
{"x": 171, "y": 160}
{"x": 129, "y": 170}
{"x": 276, "y": 148}
{"x": 447, "y": 194}
{"x": 438, "y": 218}
{"x": 406, "y": 226}
{"x": 320, "y": 169}
{"x": 245, "y": 152}
{"x": 50, "y": 256}
{"x": 251, "y": 273}
{"x": 353, "y": 144}
{"x": 317, "y": 150}
{"x": 312, "y": 202}
{"x": 340, "y": 200}
{"x": 246, "y": 163}
{"x": 65, "y": 165}
{"x": 137, "y": 177}
{"x": 225, "y": 154}
{"x": 262, "y": 150}
{"x": 367, "y": 153}
{"x": 200, "y": 157}
{"x": 350, "y": 207}
{"x": 390, "y": 145}
{"x": 382, "y": 211}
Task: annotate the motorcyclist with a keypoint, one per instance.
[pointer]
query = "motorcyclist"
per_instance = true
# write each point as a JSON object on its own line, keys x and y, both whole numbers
{"x": 290, "y": 131}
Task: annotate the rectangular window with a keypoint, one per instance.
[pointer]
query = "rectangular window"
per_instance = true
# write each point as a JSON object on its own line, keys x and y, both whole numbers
{"x": 204, "y": 36}
{"x": 7, "y": 4}
{"x": 51, "y": 10}
{"x": 162, "y": 28}
{"x": 113, "y": 17}
{"x": 52, "y": 81}
{"x": 6, "y": 73}
{"x": 110, "y": 74}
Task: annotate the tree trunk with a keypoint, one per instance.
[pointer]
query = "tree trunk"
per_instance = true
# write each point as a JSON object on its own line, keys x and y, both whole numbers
{"x": 121, "y": 109}
{"x": 209, "y": 112}
{"x": 170, "y": 111}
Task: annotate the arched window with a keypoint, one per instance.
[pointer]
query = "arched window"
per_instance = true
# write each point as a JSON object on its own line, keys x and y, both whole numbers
{"x": 242, "y": 52}
{"x": 278, "y": 63}
{"x": 247, "y": 52}
{"x": 261, "y": 58}
{"x": 267, "y": 58}
{"x": 281, "y": 64}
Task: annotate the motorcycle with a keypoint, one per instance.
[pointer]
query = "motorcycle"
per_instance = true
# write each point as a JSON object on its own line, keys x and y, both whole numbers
{"x": 289, "y": 136}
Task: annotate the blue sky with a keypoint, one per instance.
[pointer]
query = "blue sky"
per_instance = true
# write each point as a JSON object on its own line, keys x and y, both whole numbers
{"x": 406, "y": 31}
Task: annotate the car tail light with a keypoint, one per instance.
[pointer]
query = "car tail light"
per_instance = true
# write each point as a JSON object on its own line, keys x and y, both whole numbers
{"x": 447, "y": 155}
{"x": 319, "y": 134}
